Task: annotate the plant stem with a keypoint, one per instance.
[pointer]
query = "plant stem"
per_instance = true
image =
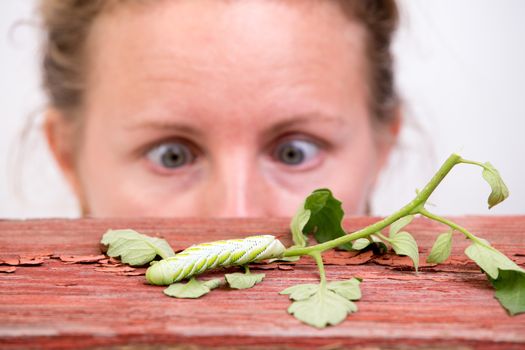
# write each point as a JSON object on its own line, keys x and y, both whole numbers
{"x": 383, "y": 237}
{"x": 412, "y": 207}
{"x": 451, "y": 224}
{"x": 466, "y": 161}
{"x": 319, "y": 260}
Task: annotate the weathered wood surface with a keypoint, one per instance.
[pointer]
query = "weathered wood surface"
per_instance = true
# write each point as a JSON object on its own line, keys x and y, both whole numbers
{"x": 60, "y": 305}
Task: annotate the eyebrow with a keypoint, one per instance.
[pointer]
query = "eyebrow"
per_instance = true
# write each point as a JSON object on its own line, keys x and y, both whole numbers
{"x": 312, "y": 117}
{"x": 302, "y": 119}
{"x": 287, "y": 123}
{"x": 164, "y": 125}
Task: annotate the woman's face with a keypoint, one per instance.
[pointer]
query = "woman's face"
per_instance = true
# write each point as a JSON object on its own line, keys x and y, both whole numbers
{"x": 225, "y": 109}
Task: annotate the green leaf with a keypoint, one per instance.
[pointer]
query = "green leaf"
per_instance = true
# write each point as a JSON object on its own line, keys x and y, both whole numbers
{"x": 323, "y": 308}
{"x": 404, "y": 244}
{"x": 499, "y": 190}
{"x": 286, "y": 258}
{"x": 510, "y": 290}
{"x": 372, "y": 241}
{"x": 193, "y": 289}
{"x": 301, "y": 291}
{"x": 399, "y": 224}
{"x": 243, "y": 280}
{"x": 507, "y": 278}
{"x": 360, "y": 244}
{"x": 490, "y": 259}
{"x": 325, "y": 217}
{"x": 299, "y": 221}
{"x": 348, "y": 289}
{"x": 134, "y": 248}
{"x": 441, "y": 248}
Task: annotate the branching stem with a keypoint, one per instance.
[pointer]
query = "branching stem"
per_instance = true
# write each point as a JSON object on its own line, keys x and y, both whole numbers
{"x": 454, "y": 226}
{"x": 413, "y": 207}
{"x": 449, "y": 223}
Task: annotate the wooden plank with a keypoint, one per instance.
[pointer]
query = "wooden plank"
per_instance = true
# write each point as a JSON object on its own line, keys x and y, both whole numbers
{"x": 64, "y": 305}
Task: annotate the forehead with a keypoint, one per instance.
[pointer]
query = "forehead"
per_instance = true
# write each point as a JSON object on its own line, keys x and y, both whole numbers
{"x": 231, "y": 55}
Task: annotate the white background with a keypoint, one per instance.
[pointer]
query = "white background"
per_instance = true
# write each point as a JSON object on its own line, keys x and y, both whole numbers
{"x": 460, "y": 70}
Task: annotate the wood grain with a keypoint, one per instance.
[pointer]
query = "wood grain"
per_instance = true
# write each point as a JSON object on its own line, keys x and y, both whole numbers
{"x": 63, "y": 305}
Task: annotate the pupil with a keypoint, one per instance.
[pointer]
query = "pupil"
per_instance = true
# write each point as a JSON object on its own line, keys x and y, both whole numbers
{"x": 173, "y": 158}
{"x": 292, "y": 155}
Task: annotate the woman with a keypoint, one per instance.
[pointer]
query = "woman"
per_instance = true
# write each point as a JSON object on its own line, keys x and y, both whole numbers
{"x": 223, "y": 108}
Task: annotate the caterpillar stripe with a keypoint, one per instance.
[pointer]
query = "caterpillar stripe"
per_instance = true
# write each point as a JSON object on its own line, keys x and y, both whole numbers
{"x": 205, "y": 256}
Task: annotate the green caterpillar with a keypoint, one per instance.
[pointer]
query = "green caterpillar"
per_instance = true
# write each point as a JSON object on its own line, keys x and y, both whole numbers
{"x": 205, "y": 256}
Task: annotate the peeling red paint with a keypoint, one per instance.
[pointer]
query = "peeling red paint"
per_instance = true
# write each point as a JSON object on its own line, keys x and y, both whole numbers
{"x": 79, "y": 259}
{"x": 56, "y": 305}
{"x": 7, "y": 269}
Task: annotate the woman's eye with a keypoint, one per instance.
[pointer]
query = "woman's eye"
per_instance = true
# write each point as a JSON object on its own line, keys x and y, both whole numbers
{"x": 296, "y": 152}
{"x": 171, "y": 155}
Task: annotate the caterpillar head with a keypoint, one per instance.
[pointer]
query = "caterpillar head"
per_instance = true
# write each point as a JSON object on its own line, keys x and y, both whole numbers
{"x": 160, "y": 274}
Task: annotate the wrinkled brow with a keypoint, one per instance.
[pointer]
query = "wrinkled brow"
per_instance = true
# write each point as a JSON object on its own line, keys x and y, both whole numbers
{"x": 299, "y": 120}
{"x": 285, "y": 123}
